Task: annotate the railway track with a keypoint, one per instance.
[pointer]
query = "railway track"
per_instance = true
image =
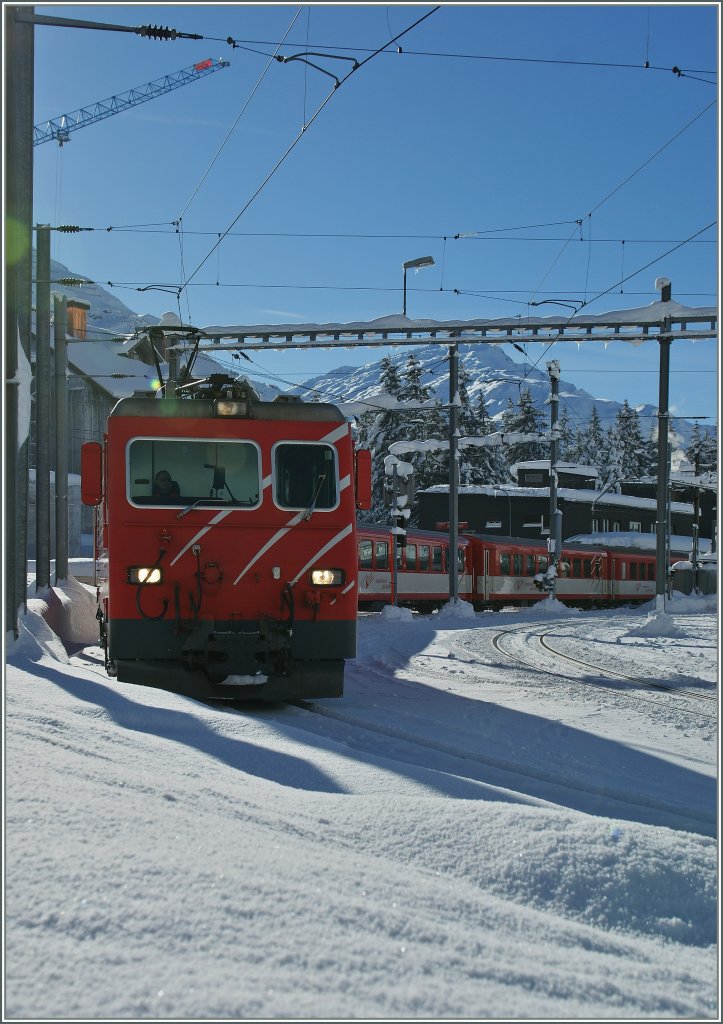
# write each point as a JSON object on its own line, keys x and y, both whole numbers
{"x": 601, "y": 672}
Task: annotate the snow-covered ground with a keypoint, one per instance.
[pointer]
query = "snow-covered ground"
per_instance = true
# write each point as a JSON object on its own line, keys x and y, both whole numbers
{"x": 479, "y": 828}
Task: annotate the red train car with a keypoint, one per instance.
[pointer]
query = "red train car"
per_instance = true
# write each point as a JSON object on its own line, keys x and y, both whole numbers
{"x": 511, "y": 571}
{"x": 226, "y": 550}
{"x": 422, "y": 571}
{"x": 497, "y": 571}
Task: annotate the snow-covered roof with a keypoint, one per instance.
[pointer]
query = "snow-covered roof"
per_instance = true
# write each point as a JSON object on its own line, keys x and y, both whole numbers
{"x": 679, "y": 544}
{"x": 103, "y": 362}
{"x": 584, "y": 497}
{"x": 574, "y": 469}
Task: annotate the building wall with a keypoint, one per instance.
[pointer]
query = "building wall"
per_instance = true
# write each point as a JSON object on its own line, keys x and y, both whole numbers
{"x": 518, "y": 515}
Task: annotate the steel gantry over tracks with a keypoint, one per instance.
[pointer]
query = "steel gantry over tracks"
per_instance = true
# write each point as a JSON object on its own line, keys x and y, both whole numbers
{"x": 635, "y": 326}
{"x": 663, "y": 321}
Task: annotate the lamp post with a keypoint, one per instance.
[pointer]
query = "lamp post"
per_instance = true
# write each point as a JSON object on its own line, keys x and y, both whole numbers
{"x": 421, "y": 261}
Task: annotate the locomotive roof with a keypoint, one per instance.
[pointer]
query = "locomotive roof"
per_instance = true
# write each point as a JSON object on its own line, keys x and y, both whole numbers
{"x": 147, "y": 405}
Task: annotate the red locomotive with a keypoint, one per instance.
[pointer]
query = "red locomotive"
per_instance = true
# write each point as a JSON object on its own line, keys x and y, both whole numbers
{"x": 226, "y": 549}
{"x": 496, "y": 571}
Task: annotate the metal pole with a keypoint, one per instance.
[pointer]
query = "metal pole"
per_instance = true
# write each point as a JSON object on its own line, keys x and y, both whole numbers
{"x": 696, "y": 521}
{"x": 453, "y": 471}
{"x": 661, "y": 523}
{"x": 404, "y": 304}
{"x": 61, "y": 438}
{"x": 395, "y": 523}
{"x": 554, "y": 540}
{"x": 42, "y": 410}
{"x": 18, "y": 138}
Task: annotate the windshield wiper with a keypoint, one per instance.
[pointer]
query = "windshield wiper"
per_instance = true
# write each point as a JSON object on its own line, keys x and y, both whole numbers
{"x": 184, "y": 511}
{"x": 315, "y": 497}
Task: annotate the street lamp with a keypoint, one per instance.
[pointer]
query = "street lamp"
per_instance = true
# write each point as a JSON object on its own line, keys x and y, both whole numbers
{"x": 421, "y": 261}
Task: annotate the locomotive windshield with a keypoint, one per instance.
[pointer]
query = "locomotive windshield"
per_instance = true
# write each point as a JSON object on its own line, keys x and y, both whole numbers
{"x": 305, "y": 476}
{"x": 181, "y": 472}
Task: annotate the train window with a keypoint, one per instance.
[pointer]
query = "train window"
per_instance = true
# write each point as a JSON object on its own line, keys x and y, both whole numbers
{"x": 504, "y": 563}
{"x": 436, "y": 558}
{"x": 186, "y": 471}
{"x": 577, "y": 568}
{"x": 587, "y": 568}
{"x": 424, "y": 557}
{"x": 530, "y": 561}
{"x": 517, "y": 565}
{"x": 305, "y": 476}
{"x": 365, "y": 554}
{"x": 633, "y": 570}
{"x": 542, "y": 563}
{"x": 382, "y": 554}
{"x": 623, "y": 570}
{"x": 460, "y": 560}
{"x": 563, "y": 568}
{"x": 410, "y": 554}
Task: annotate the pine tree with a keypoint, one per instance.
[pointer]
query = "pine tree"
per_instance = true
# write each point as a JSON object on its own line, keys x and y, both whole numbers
{"x": 376, "y": 431}
{"x": 389, "y": 377}
{"x": 629, "y": 439}
{"x": 591, "y": 441}
{"x": 482, "y": 465}
{"x": 702, "y": 450}
{"x": 609, "y": 462}
{"x": 430, "y": 468}
{"x": 566, "y": 446}
{"x": 525, "y": 419}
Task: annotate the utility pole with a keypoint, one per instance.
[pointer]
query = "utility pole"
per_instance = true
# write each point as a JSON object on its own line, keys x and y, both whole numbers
{"x": 42, "y": 409}
{"x": 453, "y": 471}
{"x": 554, "y": 540}
{"x": 18, "y": 137}
{"x": 696, "y": 518}
{"x": 60, "y": 304}
{"x": 661, "y": 537}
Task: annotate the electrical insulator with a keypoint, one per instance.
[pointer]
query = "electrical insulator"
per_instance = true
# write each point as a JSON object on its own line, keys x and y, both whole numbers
{"x": 157, "y": 32}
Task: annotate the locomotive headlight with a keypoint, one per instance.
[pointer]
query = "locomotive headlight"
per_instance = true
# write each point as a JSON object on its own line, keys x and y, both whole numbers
{"x": 225, "y": 407}
{"x": 327, "y": 577}
{"x": 145, "y": 575}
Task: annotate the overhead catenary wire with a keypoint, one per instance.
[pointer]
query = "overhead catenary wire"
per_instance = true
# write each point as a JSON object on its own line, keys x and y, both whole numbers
{"x": 301, "y": 134}
{"x": 238, "y": 118}
{"x": 645, "y": 66}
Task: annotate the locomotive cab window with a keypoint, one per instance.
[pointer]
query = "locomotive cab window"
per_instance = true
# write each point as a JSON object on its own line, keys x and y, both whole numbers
{"x": 186, "y": 471}
{"x": 305, "y": 476}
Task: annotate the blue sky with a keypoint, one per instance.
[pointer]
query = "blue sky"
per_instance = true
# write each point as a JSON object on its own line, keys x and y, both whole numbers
{"x": 535, "y": 130}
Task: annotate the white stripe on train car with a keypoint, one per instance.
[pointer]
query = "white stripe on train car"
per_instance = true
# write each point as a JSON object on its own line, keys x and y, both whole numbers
{"x": 323, "y": 550}
{"x": 294, "y": 521}
{"x": 336, "y": 435}
{"x": 216, "y": 519}
{"x": 270, "y": 543}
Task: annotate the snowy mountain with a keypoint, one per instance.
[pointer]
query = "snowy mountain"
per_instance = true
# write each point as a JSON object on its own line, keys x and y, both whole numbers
{"x": 497, "y": 377}
{"x": 493, "y": 374}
